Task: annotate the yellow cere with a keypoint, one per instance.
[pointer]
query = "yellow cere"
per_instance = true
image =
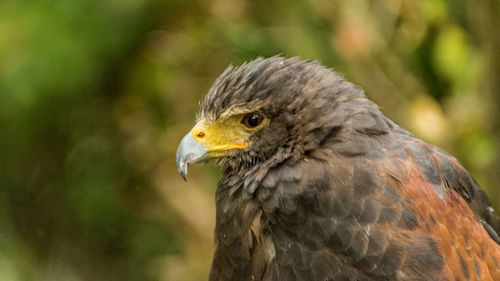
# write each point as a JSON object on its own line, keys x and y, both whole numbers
{"x": 225, "y": 134}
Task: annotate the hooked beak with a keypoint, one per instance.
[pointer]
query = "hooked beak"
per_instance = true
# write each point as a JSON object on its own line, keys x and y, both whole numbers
{"x": 189, "y": 151}
{"x": 210, "y": 140}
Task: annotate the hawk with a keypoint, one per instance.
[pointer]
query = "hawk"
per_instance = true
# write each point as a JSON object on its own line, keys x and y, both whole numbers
{"x": 317, "y": 184}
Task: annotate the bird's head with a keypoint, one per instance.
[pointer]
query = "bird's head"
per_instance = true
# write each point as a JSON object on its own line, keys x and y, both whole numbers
{"x": 268, "y": 110}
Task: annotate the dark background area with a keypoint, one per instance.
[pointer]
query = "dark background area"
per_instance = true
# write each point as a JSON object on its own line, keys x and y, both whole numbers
{"x": 96, "y": 95}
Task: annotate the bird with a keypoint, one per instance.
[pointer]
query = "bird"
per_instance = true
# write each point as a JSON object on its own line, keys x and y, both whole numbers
{"x": 317, "y": 184}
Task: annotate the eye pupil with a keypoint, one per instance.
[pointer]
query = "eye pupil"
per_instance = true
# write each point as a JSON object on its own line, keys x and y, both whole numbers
{"x": 252, "y": 120}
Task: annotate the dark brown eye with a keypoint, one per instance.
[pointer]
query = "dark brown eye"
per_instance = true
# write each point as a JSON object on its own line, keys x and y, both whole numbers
{"x": 252, "y": 120}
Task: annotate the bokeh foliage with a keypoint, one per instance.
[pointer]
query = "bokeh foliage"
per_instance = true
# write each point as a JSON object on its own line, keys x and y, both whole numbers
{"x": 95, "y": 95}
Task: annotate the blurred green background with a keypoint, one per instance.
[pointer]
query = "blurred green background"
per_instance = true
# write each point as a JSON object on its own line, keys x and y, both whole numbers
{"x": 95, "y": 96}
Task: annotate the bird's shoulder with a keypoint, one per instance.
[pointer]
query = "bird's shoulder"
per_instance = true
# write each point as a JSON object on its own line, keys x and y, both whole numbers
{"x": 450, "y": 206}
{"x": 369, "y": 201}
{"x": 447, "y": 177}
{"x": 344, "y": 213}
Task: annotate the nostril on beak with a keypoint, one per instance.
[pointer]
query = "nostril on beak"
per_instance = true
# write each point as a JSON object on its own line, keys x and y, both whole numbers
{"x": 200, "y": 134}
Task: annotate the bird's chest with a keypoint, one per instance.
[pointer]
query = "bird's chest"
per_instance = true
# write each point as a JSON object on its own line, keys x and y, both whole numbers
{"x": 244, "y": 244}
{"x": 254, "y": 245}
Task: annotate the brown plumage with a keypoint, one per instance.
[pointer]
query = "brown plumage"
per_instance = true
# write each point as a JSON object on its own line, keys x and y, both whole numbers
{"x": 325, "y": 187}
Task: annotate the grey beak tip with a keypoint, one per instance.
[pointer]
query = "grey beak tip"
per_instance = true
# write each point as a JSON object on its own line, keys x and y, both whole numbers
{"x": 189, "y": 151}
{"x": 182, "y": 168}
{"x": 183, "y": 175}
{"x": 181, "y": 164}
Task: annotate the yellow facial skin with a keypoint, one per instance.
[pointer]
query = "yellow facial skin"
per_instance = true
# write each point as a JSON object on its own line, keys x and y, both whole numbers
{"x": 225, "y": 134}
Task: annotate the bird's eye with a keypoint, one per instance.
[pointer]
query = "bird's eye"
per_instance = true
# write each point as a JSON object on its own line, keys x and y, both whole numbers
{"x": 252, "y": 120}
